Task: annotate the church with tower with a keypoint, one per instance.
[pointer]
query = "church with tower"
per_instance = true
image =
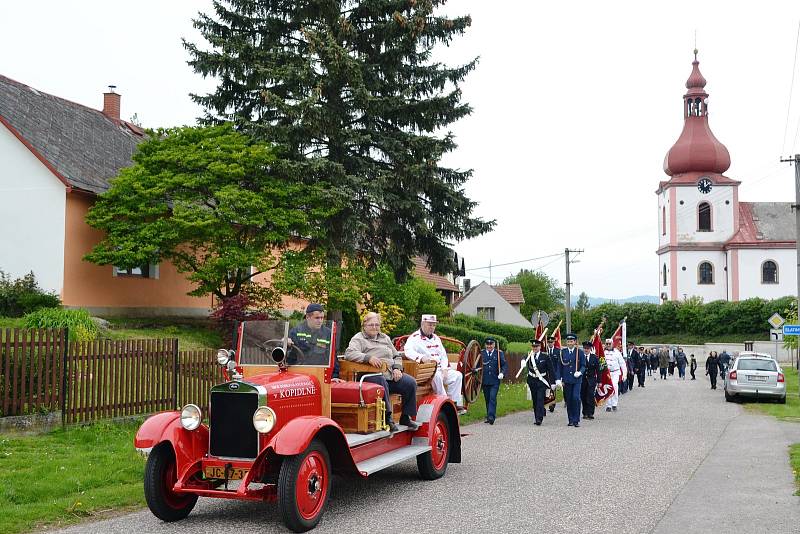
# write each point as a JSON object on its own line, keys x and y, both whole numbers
{"x": 711, "y": 244}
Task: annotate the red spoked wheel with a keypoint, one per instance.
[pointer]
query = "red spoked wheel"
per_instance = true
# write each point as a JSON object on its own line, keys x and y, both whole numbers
{"x": 303, "y": 487}
{"x": 473, "y": 371}
{"x": 433, "y": 464}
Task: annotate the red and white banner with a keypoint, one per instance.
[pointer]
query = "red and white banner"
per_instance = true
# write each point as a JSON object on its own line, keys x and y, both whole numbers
{"x": 605, "y": 384}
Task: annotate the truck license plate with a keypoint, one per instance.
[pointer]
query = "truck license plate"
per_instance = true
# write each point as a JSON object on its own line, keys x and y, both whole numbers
{"x": 218, "y": 471}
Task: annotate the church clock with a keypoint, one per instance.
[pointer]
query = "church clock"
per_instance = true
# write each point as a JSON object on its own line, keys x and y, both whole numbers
{"x": 704, "y": 185}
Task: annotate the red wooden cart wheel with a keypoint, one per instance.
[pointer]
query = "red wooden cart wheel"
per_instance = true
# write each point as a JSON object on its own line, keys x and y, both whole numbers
{"x": 303, "y": 487}
{"x": 473, "y": 371}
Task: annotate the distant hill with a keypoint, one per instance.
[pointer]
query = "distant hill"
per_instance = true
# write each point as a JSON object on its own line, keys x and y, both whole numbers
{"x": 596, "y": 301}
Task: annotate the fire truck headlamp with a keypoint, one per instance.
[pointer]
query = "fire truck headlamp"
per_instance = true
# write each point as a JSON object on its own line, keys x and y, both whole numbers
{"x": 264, "y": 419}
{"x": 191, "y": 417}
{"x": 223, "y": 356}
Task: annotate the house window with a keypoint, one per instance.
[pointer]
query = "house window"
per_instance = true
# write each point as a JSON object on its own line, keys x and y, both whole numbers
{"x": 705, "y": 273}
{"x": 769, "y": 272}
{"x": 663, "y": 220}
{"x": 704, "y": 217}
{"x": 144, "y": 271}
{"x": 664, "y": 275}
{"x": 486, "y": 313}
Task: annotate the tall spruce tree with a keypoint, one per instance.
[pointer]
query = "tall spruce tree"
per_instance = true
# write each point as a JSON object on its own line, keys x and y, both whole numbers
{"x": 350, "y": 89}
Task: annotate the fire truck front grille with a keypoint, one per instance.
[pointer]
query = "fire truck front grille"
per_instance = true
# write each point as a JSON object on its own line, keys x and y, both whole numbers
{"x": 231, "y": 420}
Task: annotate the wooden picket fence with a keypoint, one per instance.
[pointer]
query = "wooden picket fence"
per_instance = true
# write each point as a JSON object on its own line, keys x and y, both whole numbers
{"x": 40, "y": 371}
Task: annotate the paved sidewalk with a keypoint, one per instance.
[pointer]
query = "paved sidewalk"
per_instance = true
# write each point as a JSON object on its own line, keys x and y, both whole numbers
{"x": 663, "y": 463}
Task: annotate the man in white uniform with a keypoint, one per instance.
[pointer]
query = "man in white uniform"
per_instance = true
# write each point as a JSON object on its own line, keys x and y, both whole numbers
{"x": 617, "y": 366}
{"x": 425, "y": 346}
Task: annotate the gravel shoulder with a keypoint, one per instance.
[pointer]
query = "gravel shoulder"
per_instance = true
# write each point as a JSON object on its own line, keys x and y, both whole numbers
{"x": 663, "y": 463}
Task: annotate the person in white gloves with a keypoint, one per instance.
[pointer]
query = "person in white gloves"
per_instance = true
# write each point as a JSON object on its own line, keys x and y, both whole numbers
{"x": 425, "y": 346}
{"x": 541, "y": 378}
{"x": 570, "y": 369}
{"x": 494, "y": 370}
{"x": 617, "y": 367}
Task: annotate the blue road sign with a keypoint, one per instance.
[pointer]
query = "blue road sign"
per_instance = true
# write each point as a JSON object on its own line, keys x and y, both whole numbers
{"x": 791, "y": 330}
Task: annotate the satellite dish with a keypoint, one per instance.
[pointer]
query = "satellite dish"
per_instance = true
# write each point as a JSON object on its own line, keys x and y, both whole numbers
{"x": 545, "y": 318}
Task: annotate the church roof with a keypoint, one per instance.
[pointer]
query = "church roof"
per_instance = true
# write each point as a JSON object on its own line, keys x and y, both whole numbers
{"x": 687, "y": 178}
{"x": 82, "y": 146}
{"x": 765, "y": 223}
{"x": 696, "y": 149}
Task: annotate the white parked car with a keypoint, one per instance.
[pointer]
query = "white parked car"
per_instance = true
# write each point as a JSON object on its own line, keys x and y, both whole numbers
{"x": 757, "y": 375}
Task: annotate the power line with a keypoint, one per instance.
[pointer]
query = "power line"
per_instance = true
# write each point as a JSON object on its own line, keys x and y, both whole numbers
{"x": 791, "y": 90}
{"x": 514, "y": 262}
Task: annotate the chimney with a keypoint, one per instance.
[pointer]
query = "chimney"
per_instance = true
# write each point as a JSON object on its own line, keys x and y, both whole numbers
{"x": 111, "y": 103}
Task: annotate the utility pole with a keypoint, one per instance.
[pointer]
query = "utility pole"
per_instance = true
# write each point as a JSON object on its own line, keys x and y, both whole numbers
{"x": 567, "y": 303}
{"x": 796, "y": 208}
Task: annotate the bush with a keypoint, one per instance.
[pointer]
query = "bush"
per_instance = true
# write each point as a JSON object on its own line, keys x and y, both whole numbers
{"x": 231, "y": 311}
{"x": 23, "y": 295}
{"x": 509, "y": 331}
{"x": 79, "y": 322}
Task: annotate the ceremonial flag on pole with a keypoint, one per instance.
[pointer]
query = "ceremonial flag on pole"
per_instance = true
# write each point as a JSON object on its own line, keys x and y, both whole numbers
{"x": 605, "y": 384}
{"x": 617, "y": 339}
{"x": 557, "y": 336}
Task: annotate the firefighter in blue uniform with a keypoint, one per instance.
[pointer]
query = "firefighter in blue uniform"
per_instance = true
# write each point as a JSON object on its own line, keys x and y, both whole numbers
{"x": 554, "y": 354}
{"x": 541, "y": 377}
{"x": 569, "y": 374}
{"x": 494, "y": 369}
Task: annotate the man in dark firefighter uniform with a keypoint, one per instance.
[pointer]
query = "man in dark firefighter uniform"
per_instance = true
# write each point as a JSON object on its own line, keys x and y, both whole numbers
{"x": 541, "y": 377}
{"x": 554, "y": 354}
{"x": 570, "y": 369}
{"x": 494, "y": 370}
{"x": 313, "y": 338}
{"x": 589, "y": 380}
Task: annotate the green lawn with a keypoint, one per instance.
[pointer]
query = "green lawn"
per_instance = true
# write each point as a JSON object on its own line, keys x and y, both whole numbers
{"x": 785, "y": 412}
{"x": 191, "y": 334}
{"x": 511, "y": 398}
{"x": 64, "y": 476}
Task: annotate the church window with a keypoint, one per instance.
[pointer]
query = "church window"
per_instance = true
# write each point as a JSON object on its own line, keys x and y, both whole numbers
{"x": 663, "y": 220}
{"x": 664, "y": 274}
{"x": 769, "y": 272}
{"x": 704, "y": 217}
{"x": 705, "y": 273}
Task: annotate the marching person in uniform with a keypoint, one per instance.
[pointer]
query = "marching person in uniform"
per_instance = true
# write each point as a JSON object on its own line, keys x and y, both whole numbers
{"x": 554, "y": 355}
{"x": 494, "y": 369}
{"x": 589, "y": 380}
{"x": 425, "y": 346}
{"x": 541, "y": 377}
{"x": 569, "y": 374}
{"x": 618, "y": 370}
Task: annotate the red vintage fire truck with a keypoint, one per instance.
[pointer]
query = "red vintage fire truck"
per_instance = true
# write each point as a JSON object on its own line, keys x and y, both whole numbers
{"x": 279, "y": 428}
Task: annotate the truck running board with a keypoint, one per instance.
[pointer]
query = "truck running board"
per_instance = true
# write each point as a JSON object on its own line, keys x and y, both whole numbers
{"x": 388, "y": 459}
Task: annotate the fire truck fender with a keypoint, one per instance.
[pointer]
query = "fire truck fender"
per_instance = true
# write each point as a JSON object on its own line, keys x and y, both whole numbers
{"x": 165, "y": 427}
{"x": 428, "y": 412}
{"x": 298, "y": 434}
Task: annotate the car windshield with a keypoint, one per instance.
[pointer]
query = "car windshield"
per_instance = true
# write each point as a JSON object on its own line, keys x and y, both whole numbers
{"x": 305, "y": 342}
{"x": 748, "y": 364}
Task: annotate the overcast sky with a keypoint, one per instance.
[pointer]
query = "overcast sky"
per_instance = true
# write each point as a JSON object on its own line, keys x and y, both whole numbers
{"x": 575, "y": 106}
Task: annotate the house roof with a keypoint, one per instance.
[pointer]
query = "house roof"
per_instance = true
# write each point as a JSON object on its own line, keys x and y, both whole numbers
{"x": 80, "y": 145}
{"x": 439, "y": 281}
{"x": 764, "y": 223}
{"x": 511, "y": 292}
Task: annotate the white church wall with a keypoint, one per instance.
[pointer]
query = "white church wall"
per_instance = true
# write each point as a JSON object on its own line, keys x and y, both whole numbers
{"x": 721, "y": 214}
{"x": 663, "y": 259}
{"x": 663, "y": 218}
{"x": 750, "y": 261}
{"x": 688, "y": 263}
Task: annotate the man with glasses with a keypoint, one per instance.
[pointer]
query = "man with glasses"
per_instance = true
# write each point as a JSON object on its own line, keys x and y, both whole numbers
{"x": 372, "y": 347}
{"x": 425, "y": 346}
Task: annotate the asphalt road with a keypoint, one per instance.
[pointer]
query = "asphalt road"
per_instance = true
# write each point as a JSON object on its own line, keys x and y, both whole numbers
{"x": 675, "y": 458}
